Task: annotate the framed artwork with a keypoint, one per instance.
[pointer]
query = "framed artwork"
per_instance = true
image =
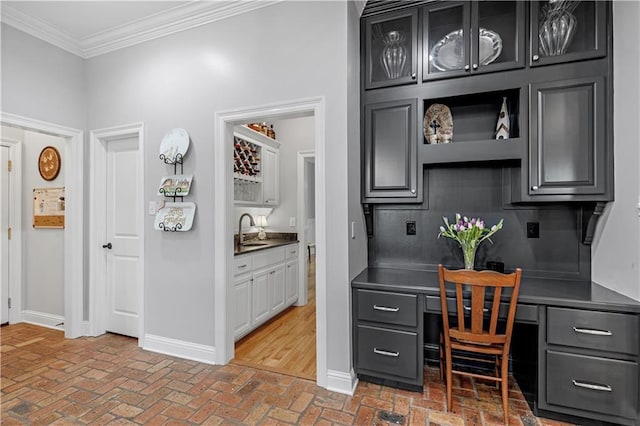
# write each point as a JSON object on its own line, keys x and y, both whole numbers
{"x": 49, "y": 163}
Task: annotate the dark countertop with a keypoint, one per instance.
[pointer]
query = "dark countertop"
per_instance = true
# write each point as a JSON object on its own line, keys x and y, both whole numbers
{"x": 264, "y": 244}
{"x": 538, "y": 291}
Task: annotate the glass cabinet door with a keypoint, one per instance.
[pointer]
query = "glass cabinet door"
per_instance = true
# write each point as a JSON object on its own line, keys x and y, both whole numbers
{"x": 498, "y": 34}
{"x": 567, "y": 30}
{"x": 391, "y": 49}
{"x": 446, "y": 39}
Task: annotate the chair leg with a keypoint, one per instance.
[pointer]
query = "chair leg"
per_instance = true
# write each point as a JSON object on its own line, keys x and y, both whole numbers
{"x": 449, "y": 375}
{"x": 505, "y": 391}
{"x": 441, "y": 366}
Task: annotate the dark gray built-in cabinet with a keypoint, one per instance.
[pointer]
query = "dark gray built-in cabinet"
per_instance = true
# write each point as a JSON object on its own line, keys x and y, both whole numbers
{"x": 390, "y": 167}
{"x": 559, "y": 100}
{"x": 567, "y": 159}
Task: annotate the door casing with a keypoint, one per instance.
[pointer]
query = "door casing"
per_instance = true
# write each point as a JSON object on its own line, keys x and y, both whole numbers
{"x": 73, "y": 164}
{"x": 97, "y": 214}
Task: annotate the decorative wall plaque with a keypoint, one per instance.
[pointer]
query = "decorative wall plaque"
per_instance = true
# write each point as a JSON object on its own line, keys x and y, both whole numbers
{"x": 49, "y": 163}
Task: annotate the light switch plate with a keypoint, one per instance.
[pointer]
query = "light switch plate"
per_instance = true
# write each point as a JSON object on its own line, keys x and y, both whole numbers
{"x": 152, "y": 208}
{"x": 292, "y": 221}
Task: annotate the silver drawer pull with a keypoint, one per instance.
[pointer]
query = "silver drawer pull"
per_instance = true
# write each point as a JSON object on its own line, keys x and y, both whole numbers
{"x": 592, "y": 331}
{"x": 591, "y": 386}
{"x": 386, "y": 353}
{"x": 468, "y": 308}
{"x": 242, "y": 266}
{"x": 385, "y": 308}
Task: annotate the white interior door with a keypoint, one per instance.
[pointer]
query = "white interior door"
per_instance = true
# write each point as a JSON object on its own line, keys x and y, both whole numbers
{"x": 4, "y": 234}
{"x": 123, "y": 258}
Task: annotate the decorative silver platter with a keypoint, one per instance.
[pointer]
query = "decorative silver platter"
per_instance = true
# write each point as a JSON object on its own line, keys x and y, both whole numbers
{"x": 448, "y": 53}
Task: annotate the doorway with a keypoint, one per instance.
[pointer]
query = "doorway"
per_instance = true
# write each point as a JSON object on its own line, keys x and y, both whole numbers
{"x": 117, "y": 234}
{"x": 73, "y": 167}
{"x": 286, "y": 343}
{"x": 223, "y": 228}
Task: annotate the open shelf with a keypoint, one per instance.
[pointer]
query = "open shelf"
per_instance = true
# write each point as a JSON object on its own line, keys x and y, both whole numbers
{"x": 470, "y": 151}
{"x": 475, "y": 117}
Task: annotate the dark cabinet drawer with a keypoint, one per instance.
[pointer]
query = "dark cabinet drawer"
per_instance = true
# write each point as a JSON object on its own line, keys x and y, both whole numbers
{"x": 387, "y": 351}
{"x": 387, "y": 307}
{"x": 524, "y": 313}
{"x": 593, "y": 384}
{"x": 593, "y": 330}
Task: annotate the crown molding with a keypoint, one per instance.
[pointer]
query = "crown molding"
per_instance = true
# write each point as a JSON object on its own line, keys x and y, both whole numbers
{"x": 161, "y": 24}
{"x": 40, "y": 29}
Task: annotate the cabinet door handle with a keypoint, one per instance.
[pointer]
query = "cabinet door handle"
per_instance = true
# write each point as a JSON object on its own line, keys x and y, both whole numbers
{"x": 535, "y": 58}
{"x": 413, "y": 75}
{"x": 386, "y": 353}
{"x": 592, "y": 331}
{"x": 466, "y": 67}
{"x": 413, "y": 191}
{"x": 468, "y": 308}
{"x": 385, "y": 308}
{"x": 475, "y": 66}
{"x": 242, "y": 266}
{"x": 534, "y": 188}
{"x": 592, "y": 386}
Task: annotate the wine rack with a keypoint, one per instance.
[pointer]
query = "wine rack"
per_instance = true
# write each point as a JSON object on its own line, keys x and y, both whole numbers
{"x": 247, "y": 176}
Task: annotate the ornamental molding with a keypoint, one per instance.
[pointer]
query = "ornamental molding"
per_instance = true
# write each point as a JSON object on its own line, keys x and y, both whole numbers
{"x": 180, "y": 18}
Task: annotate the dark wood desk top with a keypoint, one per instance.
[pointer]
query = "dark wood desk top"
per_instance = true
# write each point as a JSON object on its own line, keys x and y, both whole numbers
{"x": 537, "y": 291}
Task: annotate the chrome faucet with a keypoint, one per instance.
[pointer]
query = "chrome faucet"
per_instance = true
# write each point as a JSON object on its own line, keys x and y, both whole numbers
{"x": 251, "y": 223}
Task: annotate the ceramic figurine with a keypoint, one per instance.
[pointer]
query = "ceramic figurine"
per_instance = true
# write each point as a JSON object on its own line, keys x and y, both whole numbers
{"x": 502, "y": 128}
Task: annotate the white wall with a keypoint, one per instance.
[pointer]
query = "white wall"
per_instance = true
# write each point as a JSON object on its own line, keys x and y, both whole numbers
{"x": 43, "y": 249}
{"x": 41, "y": 81}
{"x": 615, "y": 253}
{"x": 182, "y": 81}
{"x": 295, "y": 135}
{"x": 357, "y": 245}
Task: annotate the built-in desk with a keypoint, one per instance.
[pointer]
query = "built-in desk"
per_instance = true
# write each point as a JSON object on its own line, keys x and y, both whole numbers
{"x": 575, "y": 349}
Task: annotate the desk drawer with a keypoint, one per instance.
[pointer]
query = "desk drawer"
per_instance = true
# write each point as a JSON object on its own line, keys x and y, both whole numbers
{"x": 387, "y": 307}
{"x": 605, "y": 331}
{"x": 524, "y": 313}
{"x": 592, "y": 384}
{"x": 387, "y": 351}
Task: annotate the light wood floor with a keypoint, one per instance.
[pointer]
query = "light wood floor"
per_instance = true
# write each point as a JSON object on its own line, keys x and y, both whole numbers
{"x": 287, "y": 343}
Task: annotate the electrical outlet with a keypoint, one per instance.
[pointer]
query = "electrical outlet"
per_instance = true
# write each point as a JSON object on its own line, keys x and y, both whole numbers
{"x": 411, "y": 227}
{"x": 533, "y": 230}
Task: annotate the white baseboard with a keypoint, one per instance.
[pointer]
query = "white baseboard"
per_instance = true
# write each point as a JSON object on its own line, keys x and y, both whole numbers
{"x": 338, "y": 381}
{"x": 45, "y": 320}
{"x": 180, "y": 349}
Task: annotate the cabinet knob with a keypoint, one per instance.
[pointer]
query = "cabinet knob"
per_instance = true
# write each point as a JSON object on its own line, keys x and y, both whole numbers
{"x": 466, "y": 67}
{"x": 413, "y": 191}
{"x": 535, "y": 58}
{"x": 475, "y": 66}
{"x": 413, "y": 76}
{"x": 534, "y": 188}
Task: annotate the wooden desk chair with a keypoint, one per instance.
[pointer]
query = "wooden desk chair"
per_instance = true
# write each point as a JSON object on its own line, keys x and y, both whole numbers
{"x": 472, "y": 338}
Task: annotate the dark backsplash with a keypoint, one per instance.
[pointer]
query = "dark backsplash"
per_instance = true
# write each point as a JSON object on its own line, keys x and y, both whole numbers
{"x": 480, "y": 191}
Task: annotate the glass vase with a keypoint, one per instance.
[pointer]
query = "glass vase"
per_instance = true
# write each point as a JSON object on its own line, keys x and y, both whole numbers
{"x": 556, "y": 33}
{"x": 394, "y": 54}
{"x": 469, "y": 253}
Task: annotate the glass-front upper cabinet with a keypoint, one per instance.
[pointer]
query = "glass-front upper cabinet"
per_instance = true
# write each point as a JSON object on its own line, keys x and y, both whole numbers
{"x": 568, "y": 30}
{"x": 391, "y": 42}
{"x": 462, "y": 38}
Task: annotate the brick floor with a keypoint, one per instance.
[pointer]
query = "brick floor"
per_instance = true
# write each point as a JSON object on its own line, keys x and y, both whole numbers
{"x": 47, "y": 379}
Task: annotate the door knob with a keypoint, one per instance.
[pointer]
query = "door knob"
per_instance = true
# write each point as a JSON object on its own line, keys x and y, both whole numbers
{"x": 107, "y": 246}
